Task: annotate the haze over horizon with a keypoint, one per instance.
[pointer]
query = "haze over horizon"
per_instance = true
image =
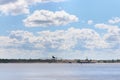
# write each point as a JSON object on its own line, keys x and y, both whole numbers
{"x": 67, "y": 29}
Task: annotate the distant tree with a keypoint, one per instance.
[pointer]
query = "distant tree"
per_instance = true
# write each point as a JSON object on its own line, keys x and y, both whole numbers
{"x": 78, "y": 61}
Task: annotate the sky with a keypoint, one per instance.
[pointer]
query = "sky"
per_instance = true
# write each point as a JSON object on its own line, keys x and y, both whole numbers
{"x": 67, "y": 29}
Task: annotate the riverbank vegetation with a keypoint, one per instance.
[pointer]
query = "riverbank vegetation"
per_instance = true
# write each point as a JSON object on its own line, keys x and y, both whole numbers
{"x": 54, "y": 60}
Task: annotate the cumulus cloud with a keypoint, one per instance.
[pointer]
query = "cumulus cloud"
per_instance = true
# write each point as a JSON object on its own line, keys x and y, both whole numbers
{"x": 44, "y": 18}
{"x": 21, "y": 36}
{"x": 16, "y": 7}
{"x": 2, "y": 2}
{"x": 114, "y": 20}
{"x": 71, "y": 39}
{"x": 5, "y": 41}
{"x": 107, "y": 27}
{"x": 112, "y": 37}
{"x": 59, "y": 41}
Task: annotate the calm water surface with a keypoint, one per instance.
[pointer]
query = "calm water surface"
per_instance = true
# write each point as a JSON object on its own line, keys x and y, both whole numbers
{"x": 36, "y": 71}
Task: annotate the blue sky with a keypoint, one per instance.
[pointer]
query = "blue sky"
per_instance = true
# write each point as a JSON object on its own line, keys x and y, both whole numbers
{"x": 72, "y": 29}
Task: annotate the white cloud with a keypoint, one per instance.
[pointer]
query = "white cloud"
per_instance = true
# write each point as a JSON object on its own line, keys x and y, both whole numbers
{"x": 45, "y": 43}
{"x": 5, "y": 41}
{"x": 16, "y": 7}
{"x": 112, "y": 37}
{"x": 114, "y": 20}
{"x": 22, "y": 36}
{"x": 90, "y": 22}
{"x": 17, "y": 53}
{"x": 44, "y": 18}
{"x": 27, "y": 54}
{"x": 2, "y": 2}
{"x": 71, "y": 39}
{"x": 107, "y": 27}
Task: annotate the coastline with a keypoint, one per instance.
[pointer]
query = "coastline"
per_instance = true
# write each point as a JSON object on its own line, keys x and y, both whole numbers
{"x": 86, "y": 61}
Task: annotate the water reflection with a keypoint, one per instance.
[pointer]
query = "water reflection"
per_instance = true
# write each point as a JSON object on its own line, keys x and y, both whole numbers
{"x": 59, "y": 71}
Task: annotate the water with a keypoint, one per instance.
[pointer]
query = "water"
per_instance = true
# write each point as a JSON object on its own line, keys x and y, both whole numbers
{"x": 36, "y": 71}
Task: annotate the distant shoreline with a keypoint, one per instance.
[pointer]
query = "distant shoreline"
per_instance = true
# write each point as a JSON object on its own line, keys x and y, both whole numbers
{"x": 56, "y": 61}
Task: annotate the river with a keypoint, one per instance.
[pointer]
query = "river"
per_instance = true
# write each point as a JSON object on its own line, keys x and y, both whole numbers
{"x": 53, "y": 71}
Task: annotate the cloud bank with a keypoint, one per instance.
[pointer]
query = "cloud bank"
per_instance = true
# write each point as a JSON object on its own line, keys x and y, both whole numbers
{"x": 64, "y": 41}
